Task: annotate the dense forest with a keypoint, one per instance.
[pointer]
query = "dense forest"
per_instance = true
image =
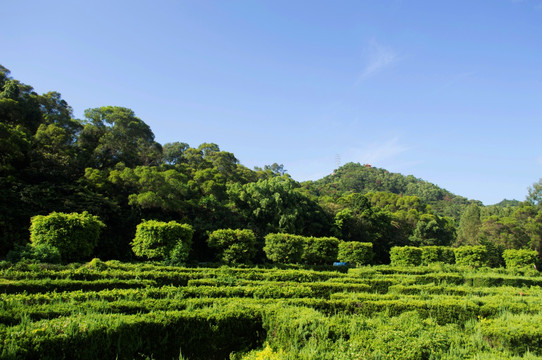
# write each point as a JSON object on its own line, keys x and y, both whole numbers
{"x": 110, "y": 165}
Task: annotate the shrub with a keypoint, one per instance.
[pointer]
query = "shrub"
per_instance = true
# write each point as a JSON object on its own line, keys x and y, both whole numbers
{"x": 74, "y": 235}
{"x": 433, "y": 254}
{"x": 518, "y": 333}
{"x": 43, "y": 253}
{"x": 162, "y": 241}
{"x": 406, "y": 256}
{"x": 474, "y": 256}
{"x": 494, "y": 253}
{"x": 355, "y": 253}
{"x": 234, "y": 246}
{"x": 284, "y": 248}
{"x": 520, "y": 258}
{"x": 320, "y": 251}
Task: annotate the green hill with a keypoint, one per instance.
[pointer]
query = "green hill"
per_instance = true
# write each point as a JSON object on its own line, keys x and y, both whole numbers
{"x": 358, "y": 178}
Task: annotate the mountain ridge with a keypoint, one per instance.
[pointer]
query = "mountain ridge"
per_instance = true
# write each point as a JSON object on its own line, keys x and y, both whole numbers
{"x": 364, "y": 178}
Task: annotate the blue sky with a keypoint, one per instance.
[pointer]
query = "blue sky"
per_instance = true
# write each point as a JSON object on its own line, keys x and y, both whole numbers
{"x": 448, "y": 91}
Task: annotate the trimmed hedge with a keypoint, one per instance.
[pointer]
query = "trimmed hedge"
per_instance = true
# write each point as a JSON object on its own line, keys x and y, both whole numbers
{"x": 520, "y": 258}
{"x": 473, "y": 256}
{"x": 320, "y": 251}
{"x": 75, "y": 235}
{"x": 433, "y": 254}
{"x": 159, "y": 335}
{"x": 42, "y": 253}
{"x": 517, "y": 333}
{"x": 162, "y": 241}
{"x": 284, "y": 248}
{"x": 51, "y": 312}
{"x": 356, "y": 253}
{"x": 234, "y": 246}
{"x": 406, "y": 256}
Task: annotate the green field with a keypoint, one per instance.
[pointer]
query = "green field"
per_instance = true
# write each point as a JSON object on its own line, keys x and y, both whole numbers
{"x": 114, "y": 310}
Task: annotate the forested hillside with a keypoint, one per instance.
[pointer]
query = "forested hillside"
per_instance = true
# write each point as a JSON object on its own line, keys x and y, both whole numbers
{"x": 109, "y": 164}
{"x": 365, "y": 178}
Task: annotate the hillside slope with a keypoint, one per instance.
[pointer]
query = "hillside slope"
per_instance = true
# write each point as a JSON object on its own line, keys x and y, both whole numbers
{"x": 358, "y": 178}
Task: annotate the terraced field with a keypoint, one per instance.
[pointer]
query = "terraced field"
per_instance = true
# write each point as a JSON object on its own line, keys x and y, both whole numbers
{"x": 113, "y": 310}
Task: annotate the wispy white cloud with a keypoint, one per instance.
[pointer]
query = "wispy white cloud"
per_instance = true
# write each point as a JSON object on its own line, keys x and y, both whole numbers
{"x": 377, "y": 152}
{"x": 389, "y": 154}
{"x": 537, "y": 5}
{"x": 378, "y": 57}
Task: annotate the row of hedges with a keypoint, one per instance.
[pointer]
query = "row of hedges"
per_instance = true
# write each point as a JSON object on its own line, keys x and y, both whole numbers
{"x": 72, "y": 237}
{"x": 118, "y": 336}
{"x": 473, "y": 256}
{"x": 295, "y": 249}
{"x": 38, "y": 324}
{"x": 236, "y": 327}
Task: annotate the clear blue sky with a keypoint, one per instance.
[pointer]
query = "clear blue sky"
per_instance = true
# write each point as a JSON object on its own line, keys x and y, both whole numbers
{"x": 448, "y": 91}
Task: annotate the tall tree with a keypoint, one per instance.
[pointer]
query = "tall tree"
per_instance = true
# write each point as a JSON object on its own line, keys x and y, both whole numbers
{"x": 433, "y": 229}
{"x": 113, "y": 134}
{"x": 534, "y": 196}
{"x": 172, "y": 153}
{"x": 274, "y": 205}
{"x": 469, "y": 226}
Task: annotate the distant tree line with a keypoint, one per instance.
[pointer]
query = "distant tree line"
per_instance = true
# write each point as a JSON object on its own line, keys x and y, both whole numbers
{"x": 109, "y": 165}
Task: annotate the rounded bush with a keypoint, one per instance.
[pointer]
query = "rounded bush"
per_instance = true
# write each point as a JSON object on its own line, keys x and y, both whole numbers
{"x": 75, "y": 235}
{"x": 473, "y": 256}
{"x": 520, "y": 258}
{"x": 320, "y": 251}
{"x": 160, "y": 240}
{"x": 406, "y": 256}
{"x": 234, "y": 246}
{"x": 284, "y": 248}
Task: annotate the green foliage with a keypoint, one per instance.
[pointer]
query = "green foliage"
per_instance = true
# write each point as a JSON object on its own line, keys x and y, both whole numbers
{"x": 113, "y": 134}
{"x": 157, "y": 239}
{"x": 296, "y": 249}
{"x": 274, "y": 205}
{"x": 320, "y": 251}
{"x": 473, "y": 256}
{"x": 520, "y": 258}
{"x": 494, "y": 253}
{"x": 355, "y": 253}
{"x": 143, "y": 310}
{"x": 234, "y": 246}
{"x": 173, "y": 152}
{"x": 360, "y": 178}
{"x": 42, "y": 253}
{"x": 284, "y": 248}
{"x": 434, "y": 254}
{"x": 469, "y": 226}
{"x": 406, "y": 256}
{"x": 359, "y": 221}
{"x": 111, "y": 336}
{"x": 110, "y": 165}
{"x": 74, "y": 235}
{"x": 518, "y": 333}
{"x": 432, "y": 229}
{"x": 535, "y": 194}
{"x": 292, "y": 328}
